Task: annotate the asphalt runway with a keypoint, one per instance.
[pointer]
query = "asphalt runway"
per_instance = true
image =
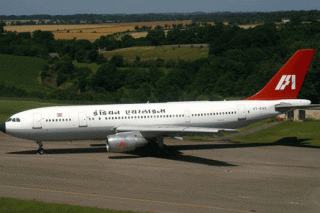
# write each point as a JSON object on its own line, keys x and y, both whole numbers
{"x": 207, "y": 176}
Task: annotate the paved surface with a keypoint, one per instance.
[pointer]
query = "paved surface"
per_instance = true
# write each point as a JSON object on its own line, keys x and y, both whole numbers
{"x": 196, "y": 177}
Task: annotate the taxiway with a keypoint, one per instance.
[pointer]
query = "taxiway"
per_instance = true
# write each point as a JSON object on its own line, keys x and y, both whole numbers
{"x": 206, "y": 176}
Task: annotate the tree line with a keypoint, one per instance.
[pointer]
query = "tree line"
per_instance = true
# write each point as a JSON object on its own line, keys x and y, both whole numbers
{"x": 240, "y": 63}
{"x": 233, "y": 18}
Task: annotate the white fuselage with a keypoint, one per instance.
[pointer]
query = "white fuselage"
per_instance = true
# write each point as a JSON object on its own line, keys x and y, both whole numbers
{"x": 98, "y": 121}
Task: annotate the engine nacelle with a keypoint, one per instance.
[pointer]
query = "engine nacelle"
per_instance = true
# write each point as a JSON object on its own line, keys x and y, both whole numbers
{"x": 125, "y": 142}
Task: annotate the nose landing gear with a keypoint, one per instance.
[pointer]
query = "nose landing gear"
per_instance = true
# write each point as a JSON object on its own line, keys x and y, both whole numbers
{"x": 40, "y": 150}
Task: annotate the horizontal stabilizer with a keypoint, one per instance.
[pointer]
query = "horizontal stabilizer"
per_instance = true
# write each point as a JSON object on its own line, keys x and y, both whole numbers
{"x": 287, "y": 107}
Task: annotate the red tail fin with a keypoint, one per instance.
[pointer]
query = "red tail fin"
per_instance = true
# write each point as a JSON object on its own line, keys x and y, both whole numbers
{"x": 287, "y": 82}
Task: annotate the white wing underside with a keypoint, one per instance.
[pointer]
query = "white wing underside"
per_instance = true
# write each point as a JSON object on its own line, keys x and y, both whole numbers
{"x": 156, "y": 130}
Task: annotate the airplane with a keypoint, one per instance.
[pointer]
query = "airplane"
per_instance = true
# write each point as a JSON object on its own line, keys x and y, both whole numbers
{"x": 125, "y": 127}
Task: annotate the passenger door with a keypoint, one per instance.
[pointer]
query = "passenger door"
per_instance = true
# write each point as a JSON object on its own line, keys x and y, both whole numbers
{"x": 37, "y": 121}
{"x": 82, "y": 119}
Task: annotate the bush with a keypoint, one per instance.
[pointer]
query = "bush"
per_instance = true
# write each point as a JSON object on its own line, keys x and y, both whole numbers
{"x": 117, "y": 60}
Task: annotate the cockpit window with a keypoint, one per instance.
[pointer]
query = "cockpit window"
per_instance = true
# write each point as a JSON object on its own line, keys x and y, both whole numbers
{"x": 13, "y": 120}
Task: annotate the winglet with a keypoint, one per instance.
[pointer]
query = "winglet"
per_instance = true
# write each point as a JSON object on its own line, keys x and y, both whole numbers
{"x": 287, "y": 82}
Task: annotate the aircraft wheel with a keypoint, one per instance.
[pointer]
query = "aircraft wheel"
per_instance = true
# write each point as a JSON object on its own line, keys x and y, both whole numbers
{"x": 41, "y": 151}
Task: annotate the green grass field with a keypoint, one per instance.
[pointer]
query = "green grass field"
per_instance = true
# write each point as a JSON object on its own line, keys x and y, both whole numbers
{"x": 94, "y": 67}
{"x": 164, "y": 52}
{"x": 22, "y": 71}
{"x": 9, "y": 205}
{"x": 307, "y": 134}
{"x": 10, "y": 107}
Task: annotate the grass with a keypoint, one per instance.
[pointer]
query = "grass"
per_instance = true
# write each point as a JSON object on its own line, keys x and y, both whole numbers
{"x": 22, "y": 71}
{"x": 164, "y": 52}
{"x": 93, "y": 66}
{"x": 308, "y": 132}
{"x": 10, "y": 107}
{"x": 260, "y": 123}
{"x": 9, "y": 205}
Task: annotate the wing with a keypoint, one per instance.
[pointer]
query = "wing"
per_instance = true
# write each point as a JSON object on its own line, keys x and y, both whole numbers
{"x": 287, "y": 107}
{"x": 149, "y": 131}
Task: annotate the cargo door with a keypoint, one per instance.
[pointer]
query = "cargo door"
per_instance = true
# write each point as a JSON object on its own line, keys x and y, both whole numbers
{"x": 37, "y": 121}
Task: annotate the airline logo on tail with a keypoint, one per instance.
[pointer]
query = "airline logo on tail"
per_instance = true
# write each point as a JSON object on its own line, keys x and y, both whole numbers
{"x": 285, "y": 81}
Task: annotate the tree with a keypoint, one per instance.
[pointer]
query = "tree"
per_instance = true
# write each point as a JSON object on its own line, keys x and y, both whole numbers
{"x": 84, "y": 44}
{"x": 158, "y": 27}
{"x": 156, "y": 37}
{"x": 128, "y": 41}
{"x": 2, "y": 24}
{"x": 137, "y": 28}
{"x": 101, "y": 59}
{"x": 43, "y": 37}
{"x": 83, "y": 73}
{"x": 92, "y": 56}
{"x": 106, "y": 78}
{"x": 117, "y": 60}
{"x": 81, "y": 56}
{"x": 155, "y": 74}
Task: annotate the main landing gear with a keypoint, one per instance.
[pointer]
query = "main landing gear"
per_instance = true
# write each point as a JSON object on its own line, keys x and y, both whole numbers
{"x": 40, "y": 150}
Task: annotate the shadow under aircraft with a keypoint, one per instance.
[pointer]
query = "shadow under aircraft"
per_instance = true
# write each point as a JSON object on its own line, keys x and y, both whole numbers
{"x": 174, "y": 152}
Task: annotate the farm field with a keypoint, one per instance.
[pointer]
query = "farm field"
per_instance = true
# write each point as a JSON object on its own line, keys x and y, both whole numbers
{"x": 89, "y": 31}
{"x": 22, "y": 72}
{"x": 184, "y": 52}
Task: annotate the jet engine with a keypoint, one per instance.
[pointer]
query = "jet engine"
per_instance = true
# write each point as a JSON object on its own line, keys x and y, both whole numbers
{"x": 125, "y": 142}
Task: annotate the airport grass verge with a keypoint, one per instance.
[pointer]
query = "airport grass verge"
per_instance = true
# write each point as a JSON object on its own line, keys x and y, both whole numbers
{"x": 10, "y": 205}
{"x": 307, "y": 134}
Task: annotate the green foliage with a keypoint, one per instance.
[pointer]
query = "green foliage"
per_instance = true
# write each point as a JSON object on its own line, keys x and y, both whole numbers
{"x": 2, "y": 24}
{"x": 105, "y": 79}
{"x": 101, "y": 59}
{"x": 117, "y": 60}
{"x": 92, "y": 56}
{"x": 156, "y": 37}
{"x": 128, "y": 41}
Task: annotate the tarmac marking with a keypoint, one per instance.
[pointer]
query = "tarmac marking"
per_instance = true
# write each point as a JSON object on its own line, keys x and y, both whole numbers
{"x": 124, "y": 198}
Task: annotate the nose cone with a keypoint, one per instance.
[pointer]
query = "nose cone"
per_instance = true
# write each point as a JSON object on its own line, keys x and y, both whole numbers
{"x": 3, "y": 127}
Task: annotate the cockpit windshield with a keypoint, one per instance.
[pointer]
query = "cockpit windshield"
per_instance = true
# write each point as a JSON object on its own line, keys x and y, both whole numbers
{"x": 13, "y": 120}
